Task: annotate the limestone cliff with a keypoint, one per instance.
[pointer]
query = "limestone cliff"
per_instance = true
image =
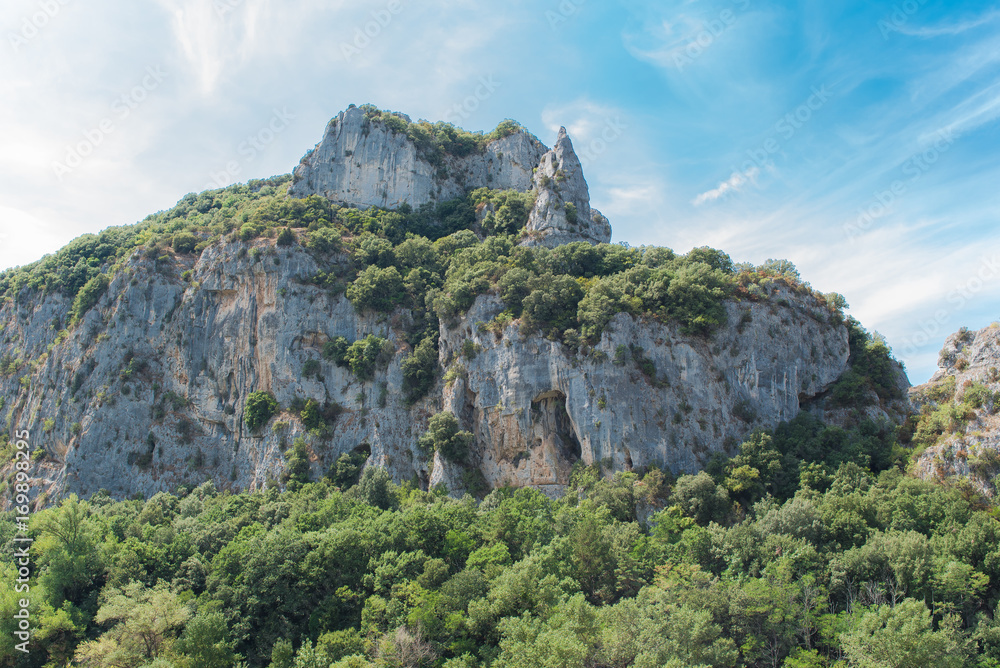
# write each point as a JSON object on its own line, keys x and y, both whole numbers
{"x": 148, "y": 388}
{"x": 562, "y": 210}
{"x": 958, "y": 425}
{"x": 364, "y": 162}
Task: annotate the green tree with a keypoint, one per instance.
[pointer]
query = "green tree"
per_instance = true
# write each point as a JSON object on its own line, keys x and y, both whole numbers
{"x": 903, "y": 636}
{"x": 420, "y": 370}
{"x": 365, "y": 355}
{"x": 259, "y": 408}
{"x": 443, "y": 436}
{"x": 296, "y": 471}
{"x": 206, "y": 642}
{"x": 377, "y": 288}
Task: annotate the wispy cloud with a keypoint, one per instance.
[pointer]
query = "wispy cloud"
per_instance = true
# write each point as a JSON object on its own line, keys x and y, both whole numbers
{"x": 734, "y": 183}
{"x": 948, "y": 29}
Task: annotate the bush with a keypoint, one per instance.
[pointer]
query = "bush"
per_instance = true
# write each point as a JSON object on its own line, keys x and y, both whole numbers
{"x": 420, "y": 371}
{"x": 324, "y": 240}
{"x": 296, "y": 471}
{"x": 377, "y": 288}
{"x": 347, "y": 469}
{"x": 286, "y": 237}
{"x": 335, "y": 350}
{"x": 310, "y": 368}
{"x": 259, "y": 408}
{"x": 367, "y": 354}
{"x": 443, "y": 436}
{"x": 88, "y": 296}
{"x": 184, "y": 242}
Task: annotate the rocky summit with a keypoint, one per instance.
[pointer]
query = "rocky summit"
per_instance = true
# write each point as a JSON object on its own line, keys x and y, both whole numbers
{"x": 441, "y": 304}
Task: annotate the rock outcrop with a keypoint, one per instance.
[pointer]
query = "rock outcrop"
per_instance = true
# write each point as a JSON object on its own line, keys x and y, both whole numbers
{"x": 363, "y": 163}
{"x": 968, "y": 446}
{"x": 562, "y": 210}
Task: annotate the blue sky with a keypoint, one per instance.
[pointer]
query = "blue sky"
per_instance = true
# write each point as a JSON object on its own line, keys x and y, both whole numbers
{"x": 857, "y": 139}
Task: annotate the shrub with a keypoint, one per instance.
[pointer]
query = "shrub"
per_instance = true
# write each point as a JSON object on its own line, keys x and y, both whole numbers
{"x": 310, "y": 368}
{"x": 347, "y": 469}
{"x": 88, "y": 296}
{"x": 259, "y": 408}
{"x": 286, "y": 237}
{"x": 184, "y": 242}
{"x": 365, "y": 355}
{"x": 377, "y": 289}
{"x": 324, "y": 240}
{"x": 420, "y": 370}
{"x": 296, "y": 471}
{"x": 443, "y": 436}
{"x": 335, "y": 350}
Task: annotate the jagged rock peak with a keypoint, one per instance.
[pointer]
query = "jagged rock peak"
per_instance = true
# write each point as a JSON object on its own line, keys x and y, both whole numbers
{"x": 371, "y": 158}
{"x": 562, "y": 210}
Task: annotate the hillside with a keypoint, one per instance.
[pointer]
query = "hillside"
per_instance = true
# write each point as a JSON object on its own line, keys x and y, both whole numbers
{"x": 202, "y": 343}
{"x": 408, "y": 407}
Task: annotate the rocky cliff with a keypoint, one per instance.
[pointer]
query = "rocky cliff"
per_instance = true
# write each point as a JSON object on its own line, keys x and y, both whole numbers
{"x": 148, "y": 391}
{"x": 146, "y": 386}
{"x": 958, "y": 427}
{"x": 367, "y": 160}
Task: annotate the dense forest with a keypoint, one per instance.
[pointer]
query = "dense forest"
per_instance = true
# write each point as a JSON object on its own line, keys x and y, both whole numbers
{"x": 811, "y": 547}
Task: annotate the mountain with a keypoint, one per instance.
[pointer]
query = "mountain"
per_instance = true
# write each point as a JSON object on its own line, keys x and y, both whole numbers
{"x": 441, "y": 304}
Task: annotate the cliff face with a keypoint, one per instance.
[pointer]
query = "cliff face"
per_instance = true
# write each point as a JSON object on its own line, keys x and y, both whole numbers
{"x": 366, "y": 163}
{"x": 959, "y": 424}
{"x": 535, "y": 409}
{"x": 148, "y": 390}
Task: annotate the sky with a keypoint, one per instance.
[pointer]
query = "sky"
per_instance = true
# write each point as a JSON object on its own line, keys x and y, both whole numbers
{"x": 856, "y": 139}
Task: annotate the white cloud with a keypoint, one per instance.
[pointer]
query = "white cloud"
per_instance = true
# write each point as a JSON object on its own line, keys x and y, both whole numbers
{"x": 734, "y": 183}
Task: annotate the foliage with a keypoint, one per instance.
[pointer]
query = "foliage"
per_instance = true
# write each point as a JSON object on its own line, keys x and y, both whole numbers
{"x": 420, "y": 370}
{"x": 443, "y": 436}
{"x": 377, "y": 288}
{"x": 365, "y": 355}
{"x": 259, "y": 408}
{"x": 809, "y": 547}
